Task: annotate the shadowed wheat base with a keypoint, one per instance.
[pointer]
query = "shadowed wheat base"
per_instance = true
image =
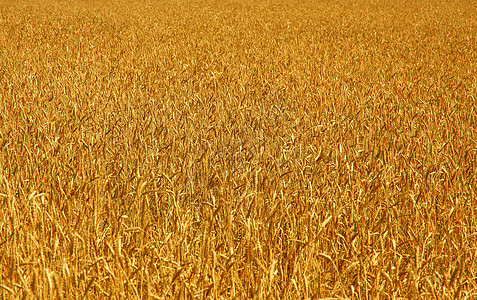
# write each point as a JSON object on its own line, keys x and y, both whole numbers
{"x": 270, "y": 149}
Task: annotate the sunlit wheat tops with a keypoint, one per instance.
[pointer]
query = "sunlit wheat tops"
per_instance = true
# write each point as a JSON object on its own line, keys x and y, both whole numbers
{"x": 238, "y": 149}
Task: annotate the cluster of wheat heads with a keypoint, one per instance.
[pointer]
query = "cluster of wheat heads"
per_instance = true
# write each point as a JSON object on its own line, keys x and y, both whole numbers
{"x": 238, "y": 149}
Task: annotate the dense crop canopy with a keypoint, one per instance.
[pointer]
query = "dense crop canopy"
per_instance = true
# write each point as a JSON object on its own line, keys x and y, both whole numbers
{"x": 251, "y": 149}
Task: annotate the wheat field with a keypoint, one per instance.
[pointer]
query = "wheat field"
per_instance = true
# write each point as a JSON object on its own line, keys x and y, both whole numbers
{"x": 276, "y": 149}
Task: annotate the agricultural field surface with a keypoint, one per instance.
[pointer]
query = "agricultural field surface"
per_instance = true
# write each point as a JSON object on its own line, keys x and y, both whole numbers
{"x": 265, "y": 149}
